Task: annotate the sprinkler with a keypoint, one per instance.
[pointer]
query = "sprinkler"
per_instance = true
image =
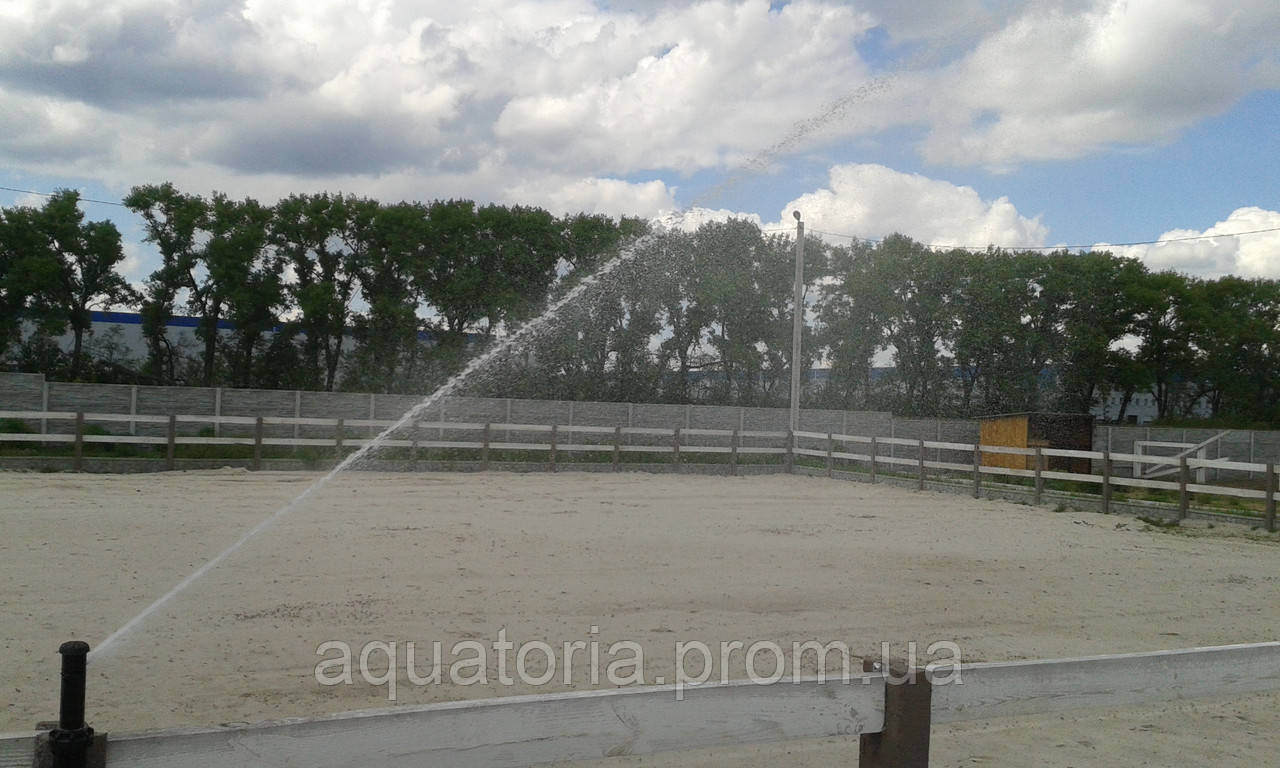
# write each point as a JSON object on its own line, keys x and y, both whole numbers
{"x": 72, "y": 743}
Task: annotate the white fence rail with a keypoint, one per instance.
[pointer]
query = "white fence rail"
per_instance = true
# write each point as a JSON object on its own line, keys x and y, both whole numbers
{"x": 893, "y": 715}
{"x": 556, "y": 439}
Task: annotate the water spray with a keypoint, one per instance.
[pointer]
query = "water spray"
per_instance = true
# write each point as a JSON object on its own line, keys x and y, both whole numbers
{"x": 529, "y": 329}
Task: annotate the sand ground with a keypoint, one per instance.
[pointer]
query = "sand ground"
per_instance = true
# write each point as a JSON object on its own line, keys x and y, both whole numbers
{"x": 653, "y": 559}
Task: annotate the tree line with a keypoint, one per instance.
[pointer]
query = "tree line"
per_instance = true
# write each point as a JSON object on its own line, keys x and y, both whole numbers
{"x": 338, "y": 292}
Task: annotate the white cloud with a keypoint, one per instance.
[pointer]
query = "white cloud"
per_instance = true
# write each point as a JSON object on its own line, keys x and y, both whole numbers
{"x": 1053, "y": 84}
{"x": 1256, "y": 255}
{"x": 872, "y": 201}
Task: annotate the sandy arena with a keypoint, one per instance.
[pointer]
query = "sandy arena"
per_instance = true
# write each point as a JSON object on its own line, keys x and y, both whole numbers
{"x": 649, "y": 558}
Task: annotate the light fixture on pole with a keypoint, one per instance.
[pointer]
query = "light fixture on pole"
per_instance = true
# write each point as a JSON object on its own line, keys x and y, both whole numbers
{"x": 797, "y": 324}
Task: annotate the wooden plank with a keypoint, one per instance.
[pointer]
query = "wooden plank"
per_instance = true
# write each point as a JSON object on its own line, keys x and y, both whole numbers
{"x": 171, "y": 440}
{"x": 257, "y": 445}
{"x": 49, "y": 415}
{"x": 617, "y": 448}
{"x": 1019, "y": 688}
{"x": 1270, "y": 484}
{"x": 1184, "y": 499}
{"x": 17, "y": 750}
{"x": 527, "y": 730}
{"x": 27, "y": 437}
{"x": 1072, "y": 454}
{"x": 1038, "y": 474}
{"x": 77, "y": 461}
{"x": 120, "y": 439}
{"x": 733, "y": 452}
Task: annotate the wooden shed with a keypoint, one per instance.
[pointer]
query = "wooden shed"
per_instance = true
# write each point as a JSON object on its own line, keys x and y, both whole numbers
{"x": 1044, "y": 430}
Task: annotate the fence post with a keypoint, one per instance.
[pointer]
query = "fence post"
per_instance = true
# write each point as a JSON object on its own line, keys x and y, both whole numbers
{"x": 257, "y": 444}
{"x": 617, "y": 448}
{"x": 1184, "y": 498}
{"x": 1039, "y": 491}
{"x": 1271, "y": 497}
{"x": 337, "y": 441}
{"x": 484, "y": 449}
{"x": 217, "y": 412}
{"x": 675, "y": 448}
{"x": 551, "y": 458}
{"x": 169, "y": 450}
{"x": 78, "y": 450}
{"x": 413, "y": 443}
{"x": 977, "y": 471}
{"x": 791, "y": 451}
{"x": 920, "y": 479}
{"x": 904, "y": 742}
{"x": 831, "y": 447}
{"x": 133, "y": 409}
{"x": 733, "y": 452}
{"x": 1106, "y": 482}
{"x": 873, "y": 458}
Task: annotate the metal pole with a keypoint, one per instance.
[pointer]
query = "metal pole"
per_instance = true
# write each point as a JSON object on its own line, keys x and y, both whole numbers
{"x": 797, "y": 324}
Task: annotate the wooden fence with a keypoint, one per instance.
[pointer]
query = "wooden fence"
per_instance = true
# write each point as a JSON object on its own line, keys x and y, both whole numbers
{"x": 892, "y": 715}
{"x": 872, "y": 455}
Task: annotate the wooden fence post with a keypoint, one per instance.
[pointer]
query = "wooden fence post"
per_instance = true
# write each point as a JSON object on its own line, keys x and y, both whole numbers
{"x": 734, "y": 439}
{"x": 484, "y": 448}
{"x": 920, "y": 479}
{"x": 551, "y": 458}
{"x": 831, "y": 447}
{"x": 1184, "y": 498}
{"x": 873, "y": 458}
{"x": 904, "y": 742}
{"x": 1106, "y": 482}
{"x": 1271, "y": 497}
{"x": 617, "y": 448}
{"x": 1039, "y": 491}
{"x": 977, "y": 471}
{"x": 675, "y": 448}
{"x": 77, "y": 461}
{"x": 257, "y": 445}
{"x": 791, "y": 451}
{"x": 171, "y": 443}
{"x": 415, "y": 427}
{"x": 337, "y": 441}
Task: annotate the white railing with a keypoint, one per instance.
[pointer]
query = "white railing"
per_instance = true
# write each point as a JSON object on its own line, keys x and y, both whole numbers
{"x": 556, "y": 439}
{"x": 892, "y": 713}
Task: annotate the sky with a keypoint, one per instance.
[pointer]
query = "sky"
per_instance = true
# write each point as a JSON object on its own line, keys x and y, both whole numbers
{"x": 956, "y": 122}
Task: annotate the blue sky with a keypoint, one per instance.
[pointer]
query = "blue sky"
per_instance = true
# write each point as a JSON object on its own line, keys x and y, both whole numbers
{"x": 966, "y": 122}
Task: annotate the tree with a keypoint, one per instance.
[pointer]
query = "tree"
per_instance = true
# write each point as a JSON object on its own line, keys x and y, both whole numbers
{"x": 73, "y": 270}
{"x": 243, "y": 278}
{"x": 851, "y": 317}
{"x": 390, "y": 239}
{"x": 1160, "y": 304}
{"x": 1095, "y": 301}
{"x": 313, "y": 233}
{"x": 175, "y": 223}
{"x": 920, "y": 320}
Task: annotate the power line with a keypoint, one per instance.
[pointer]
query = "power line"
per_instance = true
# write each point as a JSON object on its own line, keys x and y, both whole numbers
{"x": 51, "y": 194}
{"x": 1061, "y": 247}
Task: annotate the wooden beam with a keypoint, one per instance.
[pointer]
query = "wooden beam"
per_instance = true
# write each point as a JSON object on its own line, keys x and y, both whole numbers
{"x": 528, "y": 730}
{"x": 1038, "y": 494}
{"x": 617, "y": 448}
{"x": 1018, "y": 688}
{"x": 171, "y": 443}
{"x": 1271, "y": 497}
{"x": 920, "y": 477}
{"x": 257, "y": 445}
{"x": 734, "y": 440}
{"x": 904, "y": 741}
